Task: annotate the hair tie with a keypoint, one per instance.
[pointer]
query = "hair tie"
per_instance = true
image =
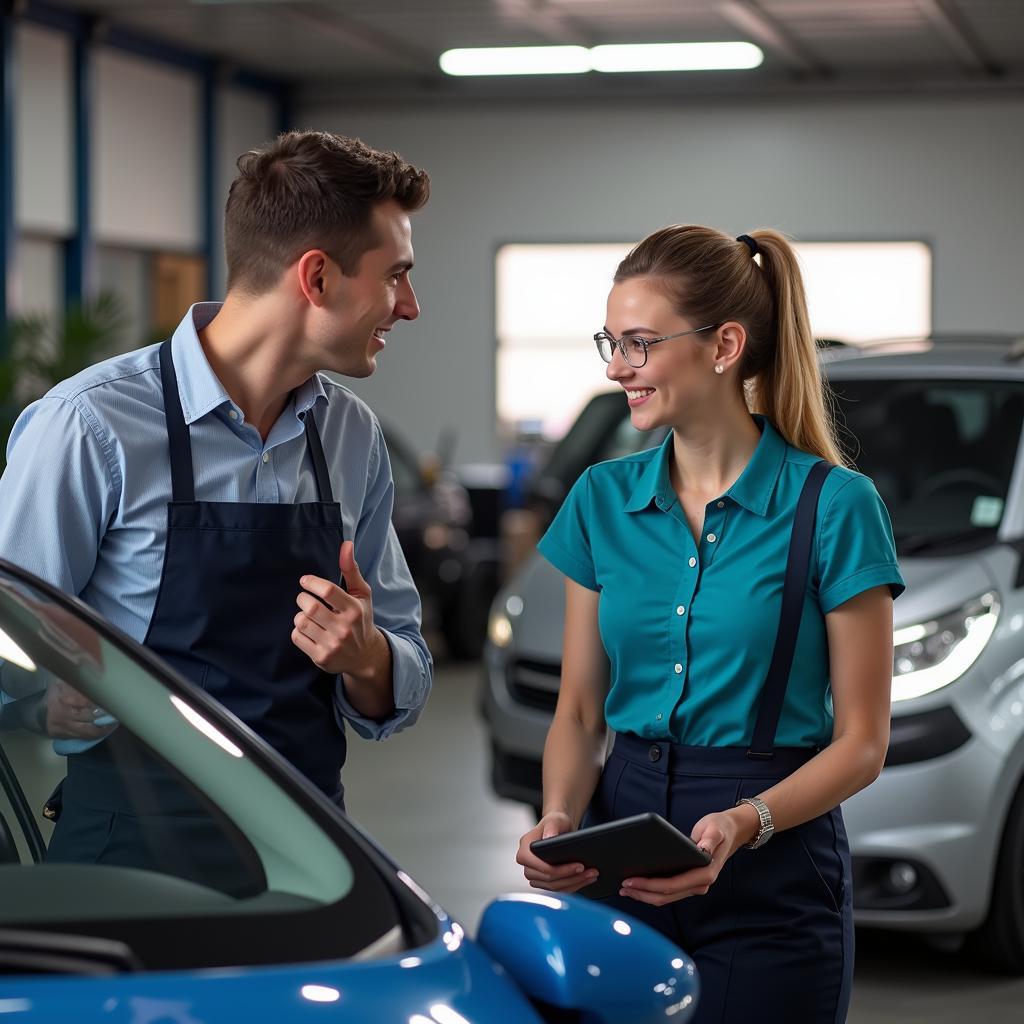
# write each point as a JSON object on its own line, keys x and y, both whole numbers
{"x": 750, "y": 243}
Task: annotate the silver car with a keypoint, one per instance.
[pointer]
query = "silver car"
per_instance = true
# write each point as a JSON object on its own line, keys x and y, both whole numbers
{"x": 938, "y": 840}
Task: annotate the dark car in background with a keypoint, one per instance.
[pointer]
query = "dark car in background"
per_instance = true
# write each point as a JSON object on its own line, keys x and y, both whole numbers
{"x": 451, "y": 547}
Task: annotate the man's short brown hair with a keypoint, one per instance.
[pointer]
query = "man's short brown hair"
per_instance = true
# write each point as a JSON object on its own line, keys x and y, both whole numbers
{"x": 310, "y": 190}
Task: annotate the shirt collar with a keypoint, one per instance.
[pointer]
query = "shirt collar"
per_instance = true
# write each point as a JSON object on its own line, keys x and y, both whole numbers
{"x": 654, "y": 483}
{"x": 756, "y": 484}
{"x": 199, "y": 388}
{"x": 753, "y": 489}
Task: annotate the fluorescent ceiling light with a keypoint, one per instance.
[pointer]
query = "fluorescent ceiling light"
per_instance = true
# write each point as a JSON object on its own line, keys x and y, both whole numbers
{"x": 517, "y": 60}
{"x": 676, "y": 57}
{"x": 577, "y": 60}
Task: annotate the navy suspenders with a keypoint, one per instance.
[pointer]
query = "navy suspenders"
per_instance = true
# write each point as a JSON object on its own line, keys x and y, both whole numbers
{"x": 797, "y": 568}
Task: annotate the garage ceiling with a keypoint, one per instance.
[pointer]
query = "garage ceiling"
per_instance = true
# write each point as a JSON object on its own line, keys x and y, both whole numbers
{"x": 389, "y": 48}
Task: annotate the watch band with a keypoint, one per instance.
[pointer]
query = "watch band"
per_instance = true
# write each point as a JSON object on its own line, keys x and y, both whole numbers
{"x": 767, "y": 826}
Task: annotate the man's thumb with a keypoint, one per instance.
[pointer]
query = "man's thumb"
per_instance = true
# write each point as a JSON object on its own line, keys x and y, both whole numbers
{"x": 349, "y": 568}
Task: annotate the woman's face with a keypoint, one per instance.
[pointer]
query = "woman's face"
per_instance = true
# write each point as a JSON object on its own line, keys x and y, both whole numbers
{"x": 678, "y": 379}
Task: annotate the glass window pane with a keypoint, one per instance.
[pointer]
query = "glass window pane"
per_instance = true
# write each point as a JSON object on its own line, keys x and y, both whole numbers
{"x": 166, "y": 816}
{"x": 946, "y": 480}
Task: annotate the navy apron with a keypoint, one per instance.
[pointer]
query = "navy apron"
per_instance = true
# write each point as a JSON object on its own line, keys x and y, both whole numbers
{"x": 223, "y": 618}
{"x": 773, "y": 937}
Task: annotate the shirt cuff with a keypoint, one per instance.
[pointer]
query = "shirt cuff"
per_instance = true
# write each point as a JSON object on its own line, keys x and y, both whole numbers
{"x": 567, "y": 564}
{"x": 877, "y": 576}
{"x": 411, "y": 679}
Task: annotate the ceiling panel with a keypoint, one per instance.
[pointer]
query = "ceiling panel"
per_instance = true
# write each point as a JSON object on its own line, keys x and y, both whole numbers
{"x": 394, "y": 44}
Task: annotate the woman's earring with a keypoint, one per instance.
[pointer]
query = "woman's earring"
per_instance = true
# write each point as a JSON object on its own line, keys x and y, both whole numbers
{"x": 719, "y": 368}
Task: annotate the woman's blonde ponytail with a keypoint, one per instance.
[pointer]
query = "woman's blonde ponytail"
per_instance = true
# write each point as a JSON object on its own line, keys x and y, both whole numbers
{"x": 790, "y": 390}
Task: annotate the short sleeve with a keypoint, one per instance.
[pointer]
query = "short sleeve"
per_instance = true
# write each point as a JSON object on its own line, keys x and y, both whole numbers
{"x": 856, "y": 550}
{"x": 566, "y": 544}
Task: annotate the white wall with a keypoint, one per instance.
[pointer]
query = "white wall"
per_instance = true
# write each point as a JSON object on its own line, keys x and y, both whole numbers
{"x": 245, "y": 119}
{"x": 145, "y": 152}
{"x": 39, "y": 275}
{"x": 943, "y": 170}
{"x": 43, "y": 131}
{"x": 126, "y": 273}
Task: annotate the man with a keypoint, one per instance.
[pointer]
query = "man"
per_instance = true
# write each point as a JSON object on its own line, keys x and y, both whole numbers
{"x": 203, "y": 494}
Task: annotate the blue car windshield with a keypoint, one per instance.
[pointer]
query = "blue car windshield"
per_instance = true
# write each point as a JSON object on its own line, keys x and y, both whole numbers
{"x": 940, "y": 452}
{"x": 132, "y": 805}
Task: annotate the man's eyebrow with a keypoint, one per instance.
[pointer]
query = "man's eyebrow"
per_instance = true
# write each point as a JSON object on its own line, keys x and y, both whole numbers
{"x": 401, "y": 267}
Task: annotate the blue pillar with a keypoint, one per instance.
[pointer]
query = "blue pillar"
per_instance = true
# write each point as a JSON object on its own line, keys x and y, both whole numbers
{"x": 7, "y": 236}
{"x": 79, "y": 269}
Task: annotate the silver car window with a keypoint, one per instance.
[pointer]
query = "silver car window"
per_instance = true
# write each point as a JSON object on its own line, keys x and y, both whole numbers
{"x": 941, "y": 453}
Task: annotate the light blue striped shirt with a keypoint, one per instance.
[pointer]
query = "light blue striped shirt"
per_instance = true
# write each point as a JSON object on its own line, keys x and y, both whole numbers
{"x": 83, "y": 501}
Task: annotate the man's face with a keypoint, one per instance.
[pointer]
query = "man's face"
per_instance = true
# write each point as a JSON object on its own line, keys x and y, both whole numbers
{"x": 363, "y": 308}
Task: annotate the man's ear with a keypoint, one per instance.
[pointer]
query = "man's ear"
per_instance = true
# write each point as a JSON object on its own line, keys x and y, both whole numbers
{"x": 311, "y": 268}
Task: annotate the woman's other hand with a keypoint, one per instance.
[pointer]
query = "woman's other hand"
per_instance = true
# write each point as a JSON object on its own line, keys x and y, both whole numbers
{"x": 540, "y": 874}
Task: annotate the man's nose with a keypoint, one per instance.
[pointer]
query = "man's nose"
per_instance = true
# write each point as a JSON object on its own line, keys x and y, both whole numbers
{"x": 406, "y": 306}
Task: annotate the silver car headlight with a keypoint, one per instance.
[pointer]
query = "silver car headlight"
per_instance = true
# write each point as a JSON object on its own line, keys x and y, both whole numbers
{"x": 499, "y": 625}
{"x": 499, "y": 629}
{"x": 930, "y": 655}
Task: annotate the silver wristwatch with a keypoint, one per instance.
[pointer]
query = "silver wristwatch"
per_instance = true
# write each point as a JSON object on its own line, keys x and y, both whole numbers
{"x": 764, "y": 833}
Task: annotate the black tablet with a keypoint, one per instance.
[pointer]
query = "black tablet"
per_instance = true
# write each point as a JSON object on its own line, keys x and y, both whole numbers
{"x": 643, "y": 846}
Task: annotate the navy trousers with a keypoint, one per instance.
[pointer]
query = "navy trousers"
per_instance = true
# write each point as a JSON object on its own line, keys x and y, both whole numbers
{"x": 773, "y": 938}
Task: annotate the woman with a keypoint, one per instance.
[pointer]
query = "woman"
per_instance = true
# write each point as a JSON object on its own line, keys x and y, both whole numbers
{"x": 736, "y": 721}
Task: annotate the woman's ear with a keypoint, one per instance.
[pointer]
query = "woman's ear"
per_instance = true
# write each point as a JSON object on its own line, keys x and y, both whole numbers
{"x": 732, "y": 342}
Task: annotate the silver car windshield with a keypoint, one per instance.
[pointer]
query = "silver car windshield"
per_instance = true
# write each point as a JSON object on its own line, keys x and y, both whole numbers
{"x": 941, "y": 453}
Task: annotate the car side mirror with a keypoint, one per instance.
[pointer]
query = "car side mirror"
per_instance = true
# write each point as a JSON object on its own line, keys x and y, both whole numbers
{"x": 570, "y": 953}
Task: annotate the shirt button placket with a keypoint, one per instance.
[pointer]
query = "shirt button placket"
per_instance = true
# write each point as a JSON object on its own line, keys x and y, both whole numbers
{"x": 266, "y": 482}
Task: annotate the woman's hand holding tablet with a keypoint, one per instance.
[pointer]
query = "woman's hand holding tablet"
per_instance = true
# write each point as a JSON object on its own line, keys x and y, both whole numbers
{"x": 597, "y": 860}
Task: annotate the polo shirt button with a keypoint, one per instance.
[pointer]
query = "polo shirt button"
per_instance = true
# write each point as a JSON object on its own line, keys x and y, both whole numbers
{"x": 712, "y": 538}
{"x": 233, "y": 414}
{"x": 266, "y": 457}
{"x": 657, "y": 717}
{"x": 654, "y": 753}
{"x": 721, "y": 504}
{"x": 680, "y": 610}
{"x": 693, "y": 562}
{"x": 679, "y": 668}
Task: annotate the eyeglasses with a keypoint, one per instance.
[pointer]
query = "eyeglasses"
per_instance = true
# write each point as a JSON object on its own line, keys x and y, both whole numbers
{"x": 633, "y": 347}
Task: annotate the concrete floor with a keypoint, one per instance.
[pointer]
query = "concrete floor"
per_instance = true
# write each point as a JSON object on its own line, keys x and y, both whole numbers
{"x": 424, "y": 795}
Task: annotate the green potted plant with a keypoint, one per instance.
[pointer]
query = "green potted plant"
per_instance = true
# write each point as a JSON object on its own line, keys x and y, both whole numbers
{"x": 39, "y": 351}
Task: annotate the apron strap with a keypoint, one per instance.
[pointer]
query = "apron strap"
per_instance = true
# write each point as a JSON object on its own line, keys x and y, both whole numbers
{"x": 797, "y": 566}
{"x": 178, "y": 438}
{"x": 316, "y": 452}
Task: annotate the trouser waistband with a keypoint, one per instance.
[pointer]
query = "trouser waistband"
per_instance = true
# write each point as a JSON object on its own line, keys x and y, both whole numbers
{"x": 670, "y": 758}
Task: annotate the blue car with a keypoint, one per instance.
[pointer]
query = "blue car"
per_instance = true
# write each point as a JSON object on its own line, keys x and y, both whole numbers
{"x": 257, "y": 899}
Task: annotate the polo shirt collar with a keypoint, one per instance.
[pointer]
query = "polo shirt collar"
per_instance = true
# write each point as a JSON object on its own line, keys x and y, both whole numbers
{"x": 756, "y": 484}
{"x": 753, "y": 489}
{"x": 199, "y": 388}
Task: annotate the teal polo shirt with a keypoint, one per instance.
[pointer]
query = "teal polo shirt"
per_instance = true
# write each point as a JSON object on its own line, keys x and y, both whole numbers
{"x": 689, "y": 627}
